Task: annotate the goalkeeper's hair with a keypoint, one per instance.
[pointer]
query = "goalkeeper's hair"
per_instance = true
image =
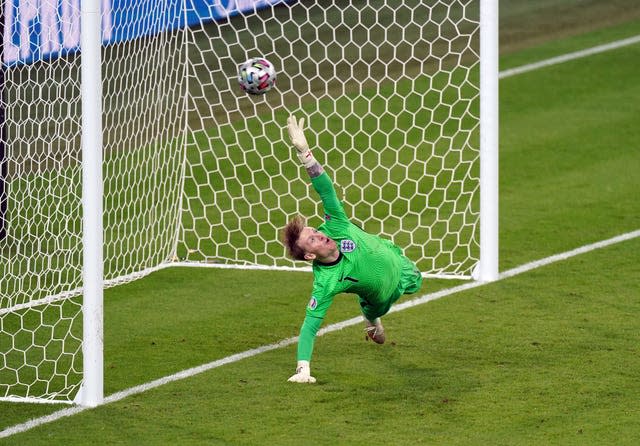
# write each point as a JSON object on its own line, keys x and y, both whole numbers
{"x": 290, "y": 236}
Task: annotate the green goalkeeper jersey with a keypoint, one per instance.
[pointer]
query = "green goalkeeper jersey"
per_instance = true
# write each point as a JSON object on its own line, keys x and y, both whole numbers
{"x": 369, "y": 266}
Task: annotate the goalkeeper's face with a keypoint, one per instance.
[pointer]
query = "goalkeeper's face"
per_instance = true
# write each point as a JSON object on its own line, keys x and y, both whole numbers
{"x": 317, "y": 246}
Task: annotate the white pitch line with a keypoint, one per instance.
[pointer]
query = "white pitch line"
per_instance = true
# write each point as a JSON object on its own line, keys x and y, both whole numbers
{"x": 18, "y": 428}
{"x": 328, "y": 329}
{"x": 569, "y": 56}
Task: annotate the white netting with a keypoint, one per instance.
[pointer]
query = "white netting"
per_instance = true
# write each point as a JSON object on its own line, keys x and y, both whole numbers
{"x": 41, "y": 252}
{"x": 390, "y": 90}
{"x": 196, "y": 170}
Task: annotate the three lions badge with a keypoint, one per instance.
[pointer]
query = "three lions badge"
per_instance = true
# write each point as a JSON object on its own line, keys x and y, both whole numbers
{"x": 347, "y": 246}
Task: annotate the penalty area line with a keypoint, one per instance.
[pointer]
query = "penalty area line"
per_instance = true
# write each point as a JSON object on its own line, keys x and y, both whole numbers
{"x": 118, "y": 396}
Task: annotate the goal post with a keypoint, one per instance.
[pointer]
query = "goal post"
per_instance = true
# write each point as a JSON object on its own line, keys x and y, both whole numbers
{"x": 128, "y": 147}
{"x": 489, "y": 137}
{"x": 391, "y": 95}
{"x": 91, "y": 391}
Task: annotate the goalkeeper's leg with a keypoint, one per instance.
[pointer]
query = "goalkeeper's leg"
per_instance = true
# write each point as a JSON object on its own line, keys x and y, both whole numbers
{"x": 373, "y": 326}
{"x": 410, "y": 277}
{"x": 374, "y": 330}
{"x": 410, "y": 282}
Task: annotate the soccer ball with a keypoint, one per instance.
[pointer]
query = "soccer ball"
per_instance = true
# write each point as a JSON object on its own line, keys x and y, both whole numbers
{"x": 256, "y": 75}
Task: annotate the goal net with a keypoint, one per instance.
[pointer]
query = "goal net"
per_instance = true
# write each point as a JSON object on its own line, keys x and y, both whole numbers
{"x": 391, "y": 96}
{"x": 197, "y": 172}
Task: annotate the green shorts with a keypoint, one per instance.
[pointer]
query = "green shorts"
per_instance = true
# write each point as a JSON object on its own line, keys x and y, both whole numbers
{"x": 410, "y": 282}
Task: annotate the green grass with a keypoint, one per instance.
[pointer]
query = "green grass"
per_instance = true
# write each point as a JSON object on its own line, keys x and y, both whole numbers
{"x": 547, "y": 357}
{"x": 544, "y": 358}
{"x": 569, "y": 156}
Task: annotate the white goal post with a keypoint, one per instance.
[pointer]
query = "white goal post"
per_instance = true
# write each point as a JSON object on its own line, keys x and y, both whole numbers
{"x": 127, "y": 147}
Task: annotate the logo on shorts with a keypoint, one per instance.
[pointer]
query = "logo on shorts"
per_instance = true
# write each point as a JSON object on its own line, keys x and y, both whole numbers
{"x": 313, "y": 303}
{"x": 347, "y": 246}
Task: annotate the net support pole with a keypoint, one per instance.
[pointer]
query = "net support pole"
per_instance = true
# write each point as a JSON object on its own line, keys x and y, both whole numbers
{"x": 489, "y": 126}
{"x": 92, "y": 393}
{"x": 3, "y": 137}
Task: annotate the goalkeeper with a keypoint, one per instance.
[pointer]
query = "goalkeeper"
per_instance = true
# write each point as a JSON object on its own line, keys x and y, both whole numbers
{"x": 345, "y": 260}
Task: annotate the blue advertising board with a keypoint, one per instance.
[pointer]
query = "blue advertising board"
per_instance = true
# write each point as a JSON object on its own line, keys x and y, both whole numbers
{"x": 43, "y": 29}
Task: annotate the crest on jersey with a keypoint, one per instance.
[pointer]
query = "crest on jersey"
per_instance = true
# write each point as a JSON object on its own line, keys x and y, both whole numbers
{"x": 313, "y": 303}
{"x": 347, "y": 246}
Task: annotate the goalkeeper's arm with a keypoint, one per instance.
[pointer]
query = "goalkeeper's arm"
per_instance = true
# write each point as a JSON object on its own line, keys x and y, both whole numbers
{"x": 307, "y": 338}
{"x": 321, "y": 183}
{"x": 299, "y": 141}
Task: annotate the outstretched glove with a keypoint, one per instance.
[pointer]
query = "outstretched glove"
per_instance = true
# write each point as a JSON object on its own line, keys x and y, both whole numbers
{"x": 303, "y": 373}
{"x": 296, "y": 133}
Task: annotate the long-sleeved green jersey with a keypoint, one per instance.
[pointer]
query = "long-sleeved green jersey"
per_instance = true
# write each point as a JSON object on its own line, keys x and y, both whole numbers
{"x": 369, "y": 266}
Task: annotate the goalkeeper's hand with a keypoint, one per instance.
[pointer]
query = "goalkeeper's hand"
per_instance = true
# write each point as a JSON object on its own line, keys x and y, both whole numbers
{"x": 296, "y": 134}
{"x": 303, "y": 373}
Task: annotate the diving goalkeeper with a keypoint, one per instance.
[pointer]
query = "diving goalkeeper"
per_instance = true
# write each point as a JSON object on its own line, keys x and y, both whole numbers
{"x": 345, "y": 259}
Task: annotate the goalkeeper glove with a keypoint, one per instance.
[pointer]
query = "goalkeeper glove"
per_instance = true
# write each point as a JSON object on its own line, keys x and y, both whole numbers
{"x": 303, "y": 373}
{"x": 296, "y": 133}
